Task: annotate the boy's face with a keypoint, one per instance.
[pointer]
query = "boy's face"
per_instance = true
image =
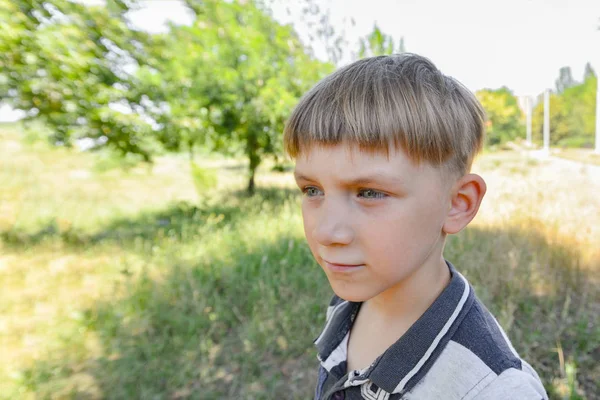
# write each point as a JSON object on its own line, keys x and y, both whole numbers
{"x": 371, "y": 220}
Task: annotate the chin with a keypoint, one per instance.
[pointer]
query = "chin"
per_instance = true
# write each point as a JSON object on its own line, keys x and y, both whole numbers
{"x": 349, "y": 293}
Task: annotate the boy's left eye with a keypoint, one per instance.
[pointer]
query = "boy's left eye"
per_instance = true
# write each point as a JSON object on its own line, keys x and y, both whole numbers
{"x": 371, "y": 194}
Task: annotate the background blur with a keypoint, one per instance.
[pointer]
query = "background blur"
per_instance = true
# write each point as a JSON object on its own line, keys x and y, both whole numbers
{"x": 151, "y": 240}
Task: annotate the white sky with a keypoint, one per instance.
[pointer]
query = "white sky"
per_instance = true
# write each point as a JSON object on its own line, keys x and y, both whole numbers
{"x": 483, "y": 43}
{"x": 517, "y": 43}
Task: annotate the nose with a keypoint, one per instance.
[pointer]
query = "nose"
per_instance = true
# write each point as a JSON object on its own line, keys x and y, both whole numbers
{"x": 333, "y": 225}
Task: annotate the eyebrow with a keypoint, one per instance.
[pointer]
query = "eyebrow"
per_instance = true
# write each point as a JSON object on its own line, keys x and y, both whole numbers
{"x": 361, "y": 180}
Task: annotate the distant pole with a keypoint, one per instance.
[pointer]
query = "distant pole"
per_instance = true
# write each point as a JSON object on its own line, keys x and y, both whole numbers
{"x": 547, "y": 121}
{"x": 597, "y": 151}
{"x": 528, "y": 110}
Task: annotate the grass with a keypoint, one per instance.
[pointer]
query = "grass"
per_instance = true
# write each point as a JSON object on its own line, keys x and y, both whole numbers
{"x": 136, "y": 285}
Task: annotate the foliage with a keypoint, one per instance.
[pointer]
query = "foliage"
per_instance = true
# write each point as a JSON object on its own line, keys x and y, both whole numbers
{"x": 588, "y": 71}
{"x": 572, "y": 115}
{"x": 315, "y": 19}
{"x": 505, "y": 118}
{"x": 70, "y": 65}
{"x": 565, "y": 79}
{"x": 204, "y": 178}
{"x": 227, "y": 82}
{"x": 378, "y": 43}
{"x": 231, "y": 79}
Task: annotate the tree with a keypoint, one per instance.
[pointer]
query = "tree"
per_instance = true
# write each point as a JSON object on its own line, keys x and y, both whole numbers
{"x": 588, "y": 72}
{"x": 231, "y": 80}
{"x": 505, "y": 118}
{"x": 559, "y": 120}
{"x": 313, "y": 19}
{"x": 572, "y": 115}
{"x": 227, "y": 82}
{"x": 72, "y": 66}
{"x": 580, "y": 102}
{"x": 565, "y": 80}
{"x": 378, "y": 43}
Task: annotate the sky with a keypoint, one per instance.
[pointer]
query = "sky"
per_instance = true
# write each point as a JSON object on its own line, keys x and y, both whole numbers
{"x": 520, "y": 44}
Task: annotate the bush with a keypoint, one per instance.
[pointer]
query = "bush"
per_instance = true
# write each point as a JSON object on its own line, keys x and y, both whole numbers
{"x": 203, "y": 178}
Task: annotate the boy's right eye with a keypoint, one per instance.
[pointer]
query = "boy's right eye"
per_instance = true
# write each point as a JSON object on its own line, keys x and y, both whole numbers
{"x": 311, "y": 191}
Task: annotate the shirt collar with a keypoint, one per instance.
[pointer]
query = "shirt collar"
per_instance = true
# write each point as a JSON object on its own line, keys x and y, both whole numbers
{"x": 404, "y": 363}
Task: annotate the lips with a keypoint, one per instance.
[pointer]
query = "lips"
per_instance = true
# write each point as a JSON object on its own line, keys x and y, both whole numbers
{"x": 339, "y": 267}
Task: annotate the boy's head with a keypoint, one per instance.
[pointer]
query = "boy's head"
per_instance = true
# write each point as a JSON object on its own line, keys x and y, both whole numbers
{"x": 383, "y": 149}
{"x": 399, "y": 101}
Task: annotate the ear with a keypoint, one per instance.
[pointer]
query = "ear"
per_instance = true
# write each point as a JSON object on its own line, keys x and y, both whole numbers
{"x": 467, "y": 194}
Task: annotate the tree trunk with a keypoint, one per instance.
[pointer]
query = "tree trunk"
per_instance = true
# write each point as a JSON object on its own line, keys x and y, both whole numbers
{"x": 191, "y": 151}
{"x": 254, "y": 161}
{"x": 251, "y": 185}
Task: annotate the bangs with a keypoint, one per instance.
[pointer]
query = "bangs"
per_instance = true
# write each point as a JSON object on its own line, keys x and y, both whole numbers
{"x": 389, "y": 101}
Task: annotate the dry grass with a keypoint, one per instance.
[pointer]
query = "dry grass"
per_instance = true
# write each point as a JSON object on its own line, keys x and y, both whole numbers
{"x": 131, "y": 284}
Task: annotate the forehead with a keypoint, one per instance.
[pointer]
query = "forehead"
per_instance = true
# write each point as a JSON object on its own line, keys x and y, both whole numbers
{"x": 348, "y": 161}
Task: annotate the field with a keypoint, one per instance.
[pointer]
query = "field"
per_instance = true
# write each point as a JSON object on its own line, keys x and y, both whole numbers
{"x": 134, "y": 283}
{"x": 581, "y": 155}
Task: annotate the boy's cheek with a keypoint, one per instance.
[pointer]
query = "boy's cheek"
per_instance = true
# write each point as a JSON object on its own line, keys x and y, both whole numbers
{"x": 314, "y": 248}
{"x": 308, "y": 223}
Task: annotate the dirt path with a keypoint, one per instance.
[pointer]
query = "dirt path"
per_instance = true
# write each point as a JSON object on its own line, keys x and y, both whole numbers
{"x": 561, "y": 167}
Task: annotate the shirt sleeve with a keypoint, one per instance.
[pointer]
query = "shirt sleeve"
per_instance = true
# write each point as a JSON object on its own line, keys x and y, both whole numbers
{"x": 513, "y": 384}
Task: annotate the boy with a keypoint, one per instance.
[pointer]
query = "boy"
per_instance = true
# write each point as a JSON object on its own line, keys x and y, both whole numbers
{"x": 383, "y": 150}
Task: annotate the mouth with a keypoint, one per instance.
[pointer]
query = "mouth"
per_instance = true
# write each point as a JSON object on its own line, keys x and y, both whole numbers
{"x": 337, "y": 267}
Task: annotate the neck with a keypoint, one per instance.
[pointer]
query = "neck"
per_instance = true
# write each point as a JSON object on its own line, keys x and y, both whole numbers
{"x": 406, "y": 301}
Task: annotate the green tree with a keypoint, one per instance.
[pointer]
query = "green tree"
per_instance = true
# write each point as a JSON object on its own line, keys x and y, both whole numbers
{"x": 231, "y": 79}
{"x": 505, "y": 118}
{"x": 227, "y": 82}
{"x": 559, "y": 120}
{"x": 378, "y": 43}
{"x": 71, "y": 66}
{"x": 565, "y": 79}
{"x": 588, "y": 71}
{"x": 572, "y": 115}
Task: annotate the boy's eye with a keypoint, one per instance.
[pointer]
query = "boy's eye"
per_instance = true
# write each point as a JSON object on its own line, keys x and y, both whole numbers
{"x": 311, "y": 191}
{"x": 371, "y": 194}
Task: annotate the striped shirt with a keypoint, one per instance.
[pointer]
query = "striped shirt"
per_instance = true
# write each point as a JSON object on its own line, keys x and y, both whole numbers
{"x": 455, "y": 350}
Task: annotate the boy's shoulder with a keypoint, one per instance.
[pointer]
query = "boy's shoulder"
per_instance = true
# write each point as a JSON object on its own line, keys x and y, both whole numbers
{"x": 478, "y": 361}
{"x": 455, "y": 350}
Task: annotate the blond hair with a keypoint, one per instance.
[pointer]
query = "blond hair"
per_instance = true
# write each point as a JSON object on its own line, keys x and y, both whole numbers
{"x": 398, "y": 100}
